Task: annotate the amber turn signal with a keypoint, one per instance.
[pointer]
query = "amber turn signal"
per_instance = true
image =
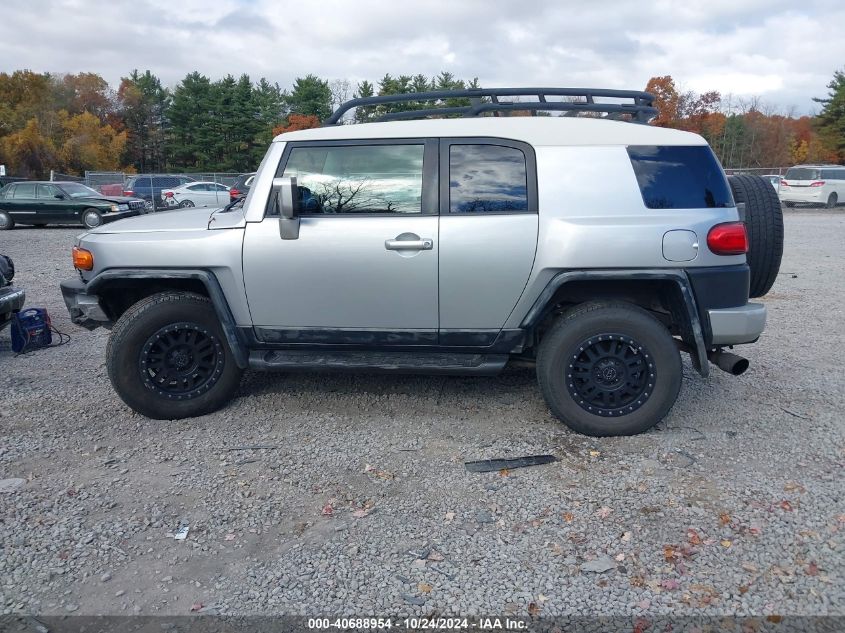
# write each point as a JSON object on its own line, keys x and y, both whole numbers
{"x": 82, "y": 259}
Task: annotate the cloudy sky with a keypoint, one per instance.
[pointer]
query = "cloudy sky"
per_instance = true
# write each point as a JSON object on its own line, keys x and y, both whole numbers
{"x": 784, "y": 51}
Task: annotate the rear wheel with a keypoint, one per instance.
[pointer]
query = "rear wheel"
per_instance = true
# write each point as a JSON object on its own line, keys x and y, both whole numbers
{"x": 6, "y": 221}
{"x": 168, "y": 358}
{"x": 91, "y": 218}
{"x": 609, "y": 369}
{"x": 764, "y": 223}
{"x": 186, "y": 204}
{"x": 832, "y": 201}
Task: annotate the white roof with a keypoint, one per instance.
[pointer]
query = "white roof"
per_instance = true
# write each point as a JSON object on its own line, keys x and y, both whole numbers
{"x": 537, "y": 131}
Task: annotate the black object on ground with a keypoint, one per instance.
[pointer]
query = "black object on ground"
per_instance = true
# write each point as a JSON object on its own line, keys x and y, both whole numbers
{"x": 491, "y": 465}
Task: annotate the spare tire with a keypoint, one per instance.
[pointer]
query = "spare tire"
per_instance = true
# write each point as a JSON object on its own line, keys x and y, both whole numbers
{"x": 764, "y": 224}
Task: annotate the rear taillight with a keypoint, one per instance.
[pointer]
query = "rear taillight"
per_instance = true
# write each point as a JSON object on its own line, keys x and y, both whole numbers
{"x": 783, "y": 183}
{"x": 234, "y": 193}
{"x": 128, "y": 192}
{"x": 168, "y": 194}
{"x": 818, "y": 183}
{"x": 729, "y": 238}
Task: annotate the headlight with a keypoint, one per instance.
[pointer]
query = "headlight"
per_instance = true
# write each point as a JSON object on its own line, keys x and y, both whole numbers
{"x": 123, "y": 207}
{"x": 115, "y": 208}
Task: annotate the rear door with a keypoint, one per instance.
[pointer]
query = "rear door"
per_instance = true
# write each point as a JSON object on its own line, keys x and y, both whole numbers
{"x": 488, "y": 235}
{"x": 22, "y": 204}
{"x": 364, "y": 267}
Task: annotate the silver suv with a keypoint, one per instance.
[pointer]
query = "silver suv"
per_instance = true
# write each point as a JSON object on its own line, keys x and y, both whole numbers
{"x": 586, "y": 242}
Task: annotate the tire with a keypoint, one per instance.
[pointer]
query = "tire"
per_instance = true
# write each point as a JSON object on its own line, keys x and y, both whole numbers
{"x": 91, "y": 218}
{"x": 7, "y": 222}
{"x": 186, "y": 204}
{"x": 832, "y": 201}
{"x": 635, "y": 409}
{"x": 764, "y": 223}
{"x": 167, "y": 357}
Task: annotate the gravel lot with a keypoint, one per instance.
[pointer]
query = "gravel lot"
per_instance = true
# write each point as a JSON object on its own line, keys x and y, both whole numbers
{"x": 362, "y": 505}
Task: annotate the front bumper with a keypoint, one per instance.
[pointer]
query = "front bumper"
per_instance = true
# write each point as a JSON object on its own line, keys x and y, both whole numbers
{"x": 120, "y": 215}
{"x": 732, "y": 326}
{"x": 84, "y": 309}
{"x": 11, "y": 300}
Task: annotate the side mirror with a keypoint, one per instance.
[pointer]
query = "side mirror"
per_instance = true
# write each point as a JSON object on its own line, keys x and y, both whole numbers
{"x": 286, "y": 199}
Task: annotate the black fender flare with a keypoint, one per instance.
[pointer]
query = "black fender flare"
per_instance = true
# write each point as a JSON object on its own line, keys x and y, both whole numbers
{"x": 698, "y": 350}
{"x": 212, "y": 286}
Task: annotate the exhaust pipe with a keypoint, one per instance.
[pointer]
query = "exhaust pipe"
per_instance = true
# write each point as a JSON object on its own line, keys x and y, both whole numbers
{"x": 731, "y": 363}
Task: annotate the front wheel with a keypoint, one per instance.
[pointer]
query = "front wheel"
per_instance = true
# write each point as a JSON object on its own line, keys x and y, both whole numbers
{"x": 609, "y": 369}
{"x": 168, "y": 358}
{"x": 91, "y": 219}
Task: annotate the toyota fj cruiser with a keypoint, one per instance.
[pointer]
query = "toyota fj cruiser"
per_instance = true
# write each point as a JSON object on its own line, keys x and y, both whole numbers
{"x": 589, "y": 243}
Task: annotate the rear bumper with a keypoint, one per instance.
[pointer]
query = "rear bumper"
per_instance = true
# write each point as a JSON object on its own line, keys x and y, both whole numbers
{"x": 11, "y": 300}
{"x": 813, "y": 196}
{"x": 732, "y": 326}
{"x": 84, "y": 309}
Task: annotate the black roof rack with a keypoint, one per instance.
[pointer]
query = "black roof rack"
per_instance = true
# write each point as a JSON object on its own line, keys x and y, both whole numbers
{"x": 640, "y": 105}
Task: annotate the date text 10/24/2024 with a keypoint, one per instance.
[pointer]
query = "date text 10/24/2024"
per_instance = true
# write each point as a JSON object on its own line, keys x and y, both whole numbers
{"x": 420, "y": 623}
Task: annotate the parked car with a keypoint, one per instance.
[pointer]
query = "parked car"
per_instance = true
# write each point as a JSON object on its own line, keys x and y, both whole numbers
{"x": 241, "y": 187}
{"x": 197, "y": 194}
{"x": 148, "y": 187}
{"x": 451, "y": 246}
{"x": 11, "y": 297}
{"x": 40, "y": 203}
{"x": 818, "y": 185}
{"x": 774, "y": 179}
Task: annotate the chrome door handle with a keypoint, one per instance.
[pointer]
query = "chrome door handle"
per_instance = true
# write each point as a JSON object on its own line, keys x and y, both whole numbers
{"x": 424, "y": 244}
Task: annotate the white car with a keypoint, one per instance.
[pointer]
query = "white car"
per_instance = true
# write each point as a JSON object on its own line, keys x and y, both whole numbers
{"x": 822, "y": 185}
{"x": 197, "y": 194}
{"x": 774, "y": 179}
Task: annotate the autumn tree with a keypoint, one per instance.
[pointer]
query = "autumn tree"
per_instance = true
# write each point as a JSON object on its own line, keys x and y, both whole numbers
{"x": 144, "y": 103}
{"x": 297, "y": 122}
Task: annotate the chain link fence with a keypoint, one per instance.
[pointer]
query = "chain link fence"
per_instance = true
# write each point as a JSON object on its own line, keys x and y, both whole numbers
{"x": 97, "y": 179}
{"x": 758, "y": 171}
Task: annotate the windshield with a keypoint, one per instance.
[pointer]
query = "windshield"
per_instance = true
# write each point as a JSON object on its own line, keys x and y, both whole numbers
{"x": 802, "y": 173}
{"x": 75, "y": 190}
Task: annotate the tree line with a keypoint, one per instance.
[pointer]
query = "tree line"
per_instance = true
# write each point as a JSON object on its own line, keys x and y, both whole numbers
{"x": 73, "y": 123}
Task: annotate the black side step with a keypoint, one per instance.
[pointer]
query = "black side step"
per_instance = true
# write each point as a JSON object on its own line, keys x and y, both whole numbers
{"x": 399, "y": 362}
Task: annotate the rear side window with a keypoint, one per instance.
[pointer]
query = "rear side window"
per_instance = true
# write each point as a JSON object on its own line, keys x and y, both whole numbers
{"x": 25, "y": 190}
{"x": 487, "y": 179}
{"x": 680, "y": 177}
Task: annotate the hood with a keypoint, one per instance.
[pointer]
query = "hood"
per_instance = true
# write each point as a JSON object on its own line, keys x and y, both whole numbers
{"x": 161, "y": 221}
{"x": 114, "y": 199}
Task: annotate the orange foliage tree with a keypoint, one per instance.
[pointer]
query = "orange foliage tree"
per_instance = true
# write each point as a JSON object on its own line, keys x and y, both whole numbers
{"x": 297, "y": 122}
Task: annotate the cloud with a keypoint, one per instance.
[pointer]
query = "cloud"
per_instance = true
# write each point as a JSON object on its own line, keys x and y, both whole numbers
{"x": 782, "y": 51}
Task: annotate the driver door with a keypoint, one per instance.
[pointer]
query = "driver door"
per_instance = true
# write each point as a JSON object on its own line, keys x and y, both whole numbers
{"x": 348, "y": 278}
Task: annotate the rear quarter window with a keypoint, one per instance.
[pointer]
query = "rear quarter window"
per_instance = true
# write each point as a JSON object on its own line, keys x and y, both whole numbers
{"x": 680, "y": 177}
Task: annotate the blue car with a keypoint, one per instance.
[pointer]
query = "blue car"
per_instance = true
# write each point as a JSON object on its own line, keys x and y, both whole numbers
{"x": 149, "y": 188}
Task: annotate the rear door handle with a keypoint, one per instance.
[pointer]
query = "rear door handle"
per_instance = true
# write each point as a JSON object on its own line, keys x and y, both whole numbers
{"x": 424, "y": 244}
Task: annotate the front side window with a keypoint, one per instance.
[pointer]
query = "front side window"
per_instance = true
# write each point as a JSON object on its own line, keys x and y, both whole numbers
{"x": 680, "y": 177}
{"x": 48, "y": 191}
{"x": 358, "y": 178}
{"x": 487, "y": 179}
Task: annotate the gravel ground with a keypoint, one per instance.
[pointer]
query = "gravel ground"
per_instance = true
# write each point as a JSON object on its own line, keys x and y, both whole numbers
{"x": 362, "y": 504}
